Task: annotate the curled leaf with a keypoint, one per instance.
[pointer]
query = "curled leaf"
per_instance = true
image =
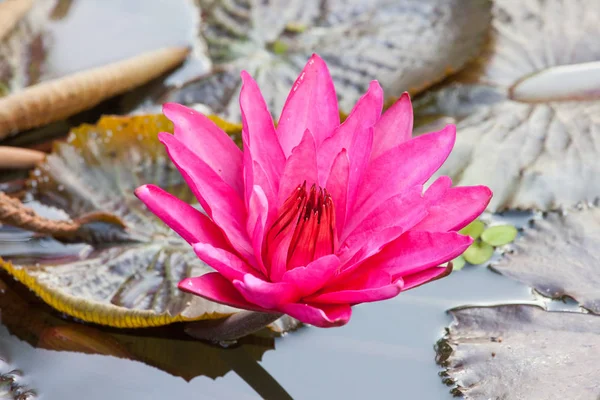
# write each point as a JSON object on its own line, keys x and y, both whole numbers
{"x": 499, "y": 235}
{"x": 54, "y": 100}
{"x": 16, "y": 157}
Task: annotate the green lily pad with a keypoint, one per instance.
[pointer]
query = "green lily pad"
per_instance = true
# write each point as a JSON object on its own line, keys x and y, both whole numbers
{"x": 521, "y": 352}
{"x": 126, "y": 279}
{"x": 558, "y": 256}
{"x": 478, "y": 253}
{"x": 405, "y": 44}
{"x": 499, "y": 235}
{"x": 534, "y": 150}
{"x": 474, "y": 229}
{"x": 458, "y": 263}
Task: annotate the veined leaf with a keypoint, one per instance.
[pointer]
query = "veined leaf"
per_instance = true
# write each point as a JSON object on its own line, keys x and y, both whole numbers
{"x": 405, "y": 44}
{"x": 124, "y": 281}
{"x": 521, "y": 352}
{"x": 558, "y": 256}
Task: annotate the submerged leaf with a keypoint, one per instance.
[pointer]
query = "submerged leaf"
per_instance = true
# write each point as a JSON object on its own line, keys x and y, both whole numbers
{"x": 499, "y": 235}
{"x": 533, "y": 155}
{"x": 558, "y": 256}
{"x": 521, "y": 352}
{"x": 121, "y": 283}
{"x": 405, "y": 44}
{"x": 478, "y": 253}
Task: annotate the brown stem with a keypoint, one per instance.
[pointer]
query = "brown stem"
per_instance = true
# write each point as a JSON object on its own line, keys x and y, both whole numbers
{"x": 231, "y": 328}
{"x": 13, "y": 212}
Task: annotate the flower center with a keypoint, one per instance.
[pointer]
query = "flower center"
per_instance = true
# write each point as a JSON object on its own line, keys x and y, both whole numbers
{"x": 306, "y": 224}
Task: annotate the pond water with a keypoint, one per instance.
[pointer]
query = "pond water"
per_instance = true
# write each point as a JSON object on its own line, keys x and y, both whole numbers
{"x": 386, "y": 351}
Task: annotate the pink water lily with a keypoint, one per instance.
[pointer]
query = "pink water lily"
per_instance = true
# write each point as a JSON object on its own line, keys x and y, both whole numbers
{"x": 314, "y": 216}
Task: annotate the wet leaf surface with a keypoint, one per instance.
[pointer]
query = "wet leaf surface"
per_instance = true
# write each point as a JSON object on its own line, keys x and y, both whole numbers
{"x": 539, "y": 154}
{"x": 166, "y": 348}
{"x": 521, "y": 352}
{"x": 406, "y": 45}
{"x": 119, "y": 281}
{"x": 558, "y": 256}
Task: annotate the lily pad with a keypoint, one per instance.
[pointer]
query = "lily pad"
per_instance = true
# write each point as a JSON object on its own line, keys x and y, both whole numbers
{"x": 405, "y": 44}
{"x": 474, "y": 229}
{"x": 458, "y": 263}
{"x": 478, "y": 253}
{"x": 499, "y": 235}
{"x": 558, "y": 256}
{"x": 521, "y": 352}
{"x": 520, "y": 131}
{"x": 126, "y": 280}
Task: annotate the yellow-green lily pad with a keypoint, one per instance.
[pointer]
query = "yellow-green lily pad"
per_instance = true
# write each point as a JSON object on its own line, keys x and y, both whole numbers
{"x": 499, "y": 235}
{"x": 478, "y": 253}
{"x": 474, "y": 229}
{"x": 458, "y": 263}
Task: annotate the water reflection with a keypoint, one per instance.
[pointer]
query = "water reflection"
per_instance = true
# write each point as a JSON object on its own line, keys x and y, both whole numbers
{"x": 36, "y": 327}
{"x": 386, "y": 351}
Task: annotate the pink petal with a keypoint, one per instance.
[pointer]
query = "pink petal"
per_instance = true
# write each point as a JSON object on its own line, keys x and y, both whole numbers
{"x": 218, "y": 199}
{"x": 414, "y": 252}
{"x": 314, "y": 276}
{"x": 208, "y": 142}
{"x": 300, "y": 167}
{"x": 321, "y": 315}
{"x": 363, "y": 116}
{"x": 384, "y": 224}
{"x": 385, "y": 287}
{"x": 213, "y": 286}
{"x": 437, "y": 190}
{"x": 260, "y": 137}
{"x": 227, "y": 264}
{"x": 258, "y": 212}
{"x": 456, "y": 209}
{"x": 430, "y": 274}
{"x": 266, "y": 294}
{"x": 409, "y": 164}
{"x": 337, "y": 187}
{"x": 359, "y": 154}
{"x": 394, "y": 127}
{"x": 189, "y": 223}
{"x": 311, "y": 104}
